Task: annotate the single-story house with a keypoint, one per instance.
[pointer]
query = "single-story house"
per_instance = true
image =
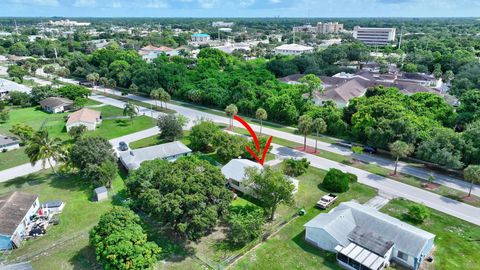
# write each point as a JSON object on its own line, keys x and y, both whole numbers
{"x": 8, "y": 143}
{"x": 87, "y": 117}
{"x": 56, "y": 104}
{"x": 235, "y": 173}
{"x": 16, "y": 209}
{"x": 7, "y": 86}
{"x": 100, "y": 194}
{"x": 132, "y": 159}
{"x": 150, "y": 52}
{"x": 365, "y": 238}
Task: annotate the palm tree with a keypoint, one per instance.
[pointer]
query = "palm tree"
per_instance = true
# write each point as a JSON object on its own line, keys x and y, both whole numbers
{"x": 130, "y": 110}
{"x": 164, "y": 96}
{"x": 231, "y": 110}
{"x": 43, "y": 148}
{"x": 472, "y": 174}
{"x": 400, "y": 149}
{"x": 305, "y": 124}
{"x": 93, "y": 77}
{"x": 261, "y": 115}
{"x": 155, "y": 95}
{"x": 319, "y": 126}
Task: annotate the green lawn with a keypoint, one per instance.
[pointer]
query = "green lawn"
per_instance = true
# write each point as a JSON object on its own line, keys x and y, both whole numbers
{"x": 66, "y": 244}
{"x": 13, "y": 158}
{"x": 457, "y": 242}
{"x": 284, "y": 249}
{"x": 55, "y": 125}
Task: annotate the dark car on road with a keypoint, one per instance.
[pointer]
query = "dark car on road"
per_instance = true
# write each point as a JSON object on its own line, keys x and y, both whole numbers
{"x": 123, "y": 146}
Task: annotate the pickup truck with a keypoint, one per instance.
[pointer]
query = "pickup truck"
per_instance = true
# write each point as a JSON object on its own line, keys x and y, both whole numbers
{"x": 326, "y": 201}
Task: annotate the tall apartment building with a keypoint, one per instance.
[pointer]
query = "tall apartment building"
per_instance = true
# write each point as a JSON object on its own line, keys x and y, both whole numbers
{"x": 374, "y": 36}
{"x": 320, "y": 28}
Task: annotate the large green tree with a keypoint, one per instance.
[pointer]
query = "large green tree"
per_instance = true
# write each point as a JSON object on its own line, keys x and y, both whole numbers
{"x": 120, "y": 242}
{"x": 171, "y": 126}
{"x": 188, "y": 195}
{"x": 271, "y": 187}
{"x": 202, "y": 134}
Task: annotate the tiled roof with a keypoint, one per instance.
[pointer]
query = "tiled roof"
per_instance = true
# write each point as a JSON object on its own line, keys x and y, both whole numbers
{"x": 13, "y": 209}
{"x": 84, "y": 115}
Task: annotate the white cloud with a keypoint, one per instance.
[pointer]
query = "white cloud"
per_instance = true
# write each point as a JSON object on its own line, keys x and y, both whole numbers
{"x": 246, "y": 3}
{"x": 85, "y": 3}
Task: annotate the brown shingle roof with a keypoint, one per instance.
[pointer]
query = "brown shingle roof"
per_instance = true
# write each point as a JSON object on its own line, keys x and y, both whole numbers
{"x": 13, "y": 209}
{"x": 84, "y": 115}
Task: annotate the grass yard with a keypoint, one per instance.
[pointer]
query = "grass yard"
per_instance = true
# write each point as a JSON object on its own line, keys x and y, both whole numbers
{"x": 114, "y": 128}
{"x": 457, "y": 242}
{"x": 283, "y": 250}
{"x": 13, "y": 158}
{"x": 65, "y": 246}
{"x": 35, "y": 117}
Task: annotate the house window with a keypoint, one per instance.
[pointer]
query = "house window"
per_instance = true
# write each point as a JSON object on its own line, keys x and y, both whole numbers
{"x": 235, "y": 182}
{"x": 402, "y": 255}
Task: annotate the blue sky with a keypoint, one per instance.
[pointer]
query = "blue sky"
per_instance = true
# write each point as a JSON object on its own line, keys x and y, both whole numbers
{"x": 241, "y": 8}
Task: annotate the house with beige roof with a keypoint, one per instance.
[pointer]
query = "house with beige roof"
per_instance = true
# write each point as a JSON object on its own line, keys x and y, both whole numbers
{"x": 86, "y": 117}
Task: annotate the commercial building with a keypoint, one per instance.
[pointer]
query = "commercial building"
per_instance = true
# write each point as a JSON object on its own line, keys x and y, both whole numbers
{"x": 200, "y": 37}
{"x": 150, "y": 52}
{"x": 374, "y": 36}
{"x": 222, "y": 24}
{"x": 364, "y": 238}
{"x": 293, "y": 49}
{"x": 320, "y": 28}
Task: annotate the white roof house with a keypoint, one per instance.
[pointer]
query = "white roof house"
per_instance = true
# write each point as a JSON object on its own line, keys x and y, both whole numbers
{"x": 362, "y": 234}
{"x": 132, "y": 159}
{"x": 293, "y": 49}
{"x": 235, "y": 172}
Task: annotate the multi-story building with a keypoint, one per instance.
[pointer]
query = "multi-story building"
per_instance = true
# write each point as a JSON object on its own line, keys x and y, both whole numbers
{"x": 320, "y": 28}
{"x": 293, "y": 49}
{"x": 199, "y": 37}
{"x": 374, "y": 36}
{"x": 222, "y": 24}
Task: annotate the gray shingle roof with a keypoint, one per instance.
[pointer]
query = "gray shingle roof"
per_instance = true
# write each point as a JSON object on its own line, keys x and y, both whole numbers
{"x": 53, "y": 102}
{"x": 366, "y": 220}
{"x": 133, "y": 158}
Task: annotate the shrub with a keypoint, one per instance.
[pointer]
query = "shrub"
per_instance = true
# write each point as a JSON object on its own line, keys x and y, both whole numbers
{"x": 336, "y": 181}
{"x": 418, "y": 213}
{"x": 244, "y": 224}
{"x": 295, "y": 167}
{"x": 352, "y": 178}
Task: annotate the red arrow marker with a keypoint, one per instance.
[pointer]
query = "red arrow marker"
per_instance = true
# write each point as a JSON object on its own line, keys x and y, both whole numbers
{"x": 255, "y": 140}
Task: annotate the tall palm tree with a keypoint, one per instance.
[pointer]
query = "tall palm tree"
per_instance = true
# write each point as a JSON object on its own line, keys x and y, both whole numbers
{"x": 155, "y": 95}
{"x": 43, "y": 148}
{"x": 130, "y": 110}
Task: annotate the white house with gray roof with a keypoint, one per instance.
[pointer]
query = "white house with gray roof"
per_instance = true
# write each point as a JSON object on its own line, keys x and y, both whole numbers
{"x": 8, "y": 143}
{"x": 235, "y": 173}
{"x": 364, "y": 238}
{"x": 171, "y": 151}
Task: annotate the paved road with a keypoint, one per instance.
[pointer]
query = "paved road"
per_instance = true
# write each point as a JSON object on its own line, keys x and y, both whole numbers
{"x": 389, "y": 186}
{"x": 422, "y": 173}
{"x": 27, "y": 169}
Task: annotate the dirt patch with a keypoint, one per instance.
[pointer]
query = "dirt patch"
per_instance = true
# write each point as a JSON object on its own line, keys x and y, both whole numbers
{"x": 309, "y": 150}
{"x": 471, "y": 199}
{"x": 430, "y": 186}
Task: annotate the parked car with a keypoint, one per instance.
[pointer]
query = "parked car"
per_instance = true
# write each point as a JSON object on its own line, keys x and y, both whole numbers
{"x": 123, "y": 146}
{"x": 369, "y": 149}
{"x": 326, "y": 201}
{"x": 86, "y": 83}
